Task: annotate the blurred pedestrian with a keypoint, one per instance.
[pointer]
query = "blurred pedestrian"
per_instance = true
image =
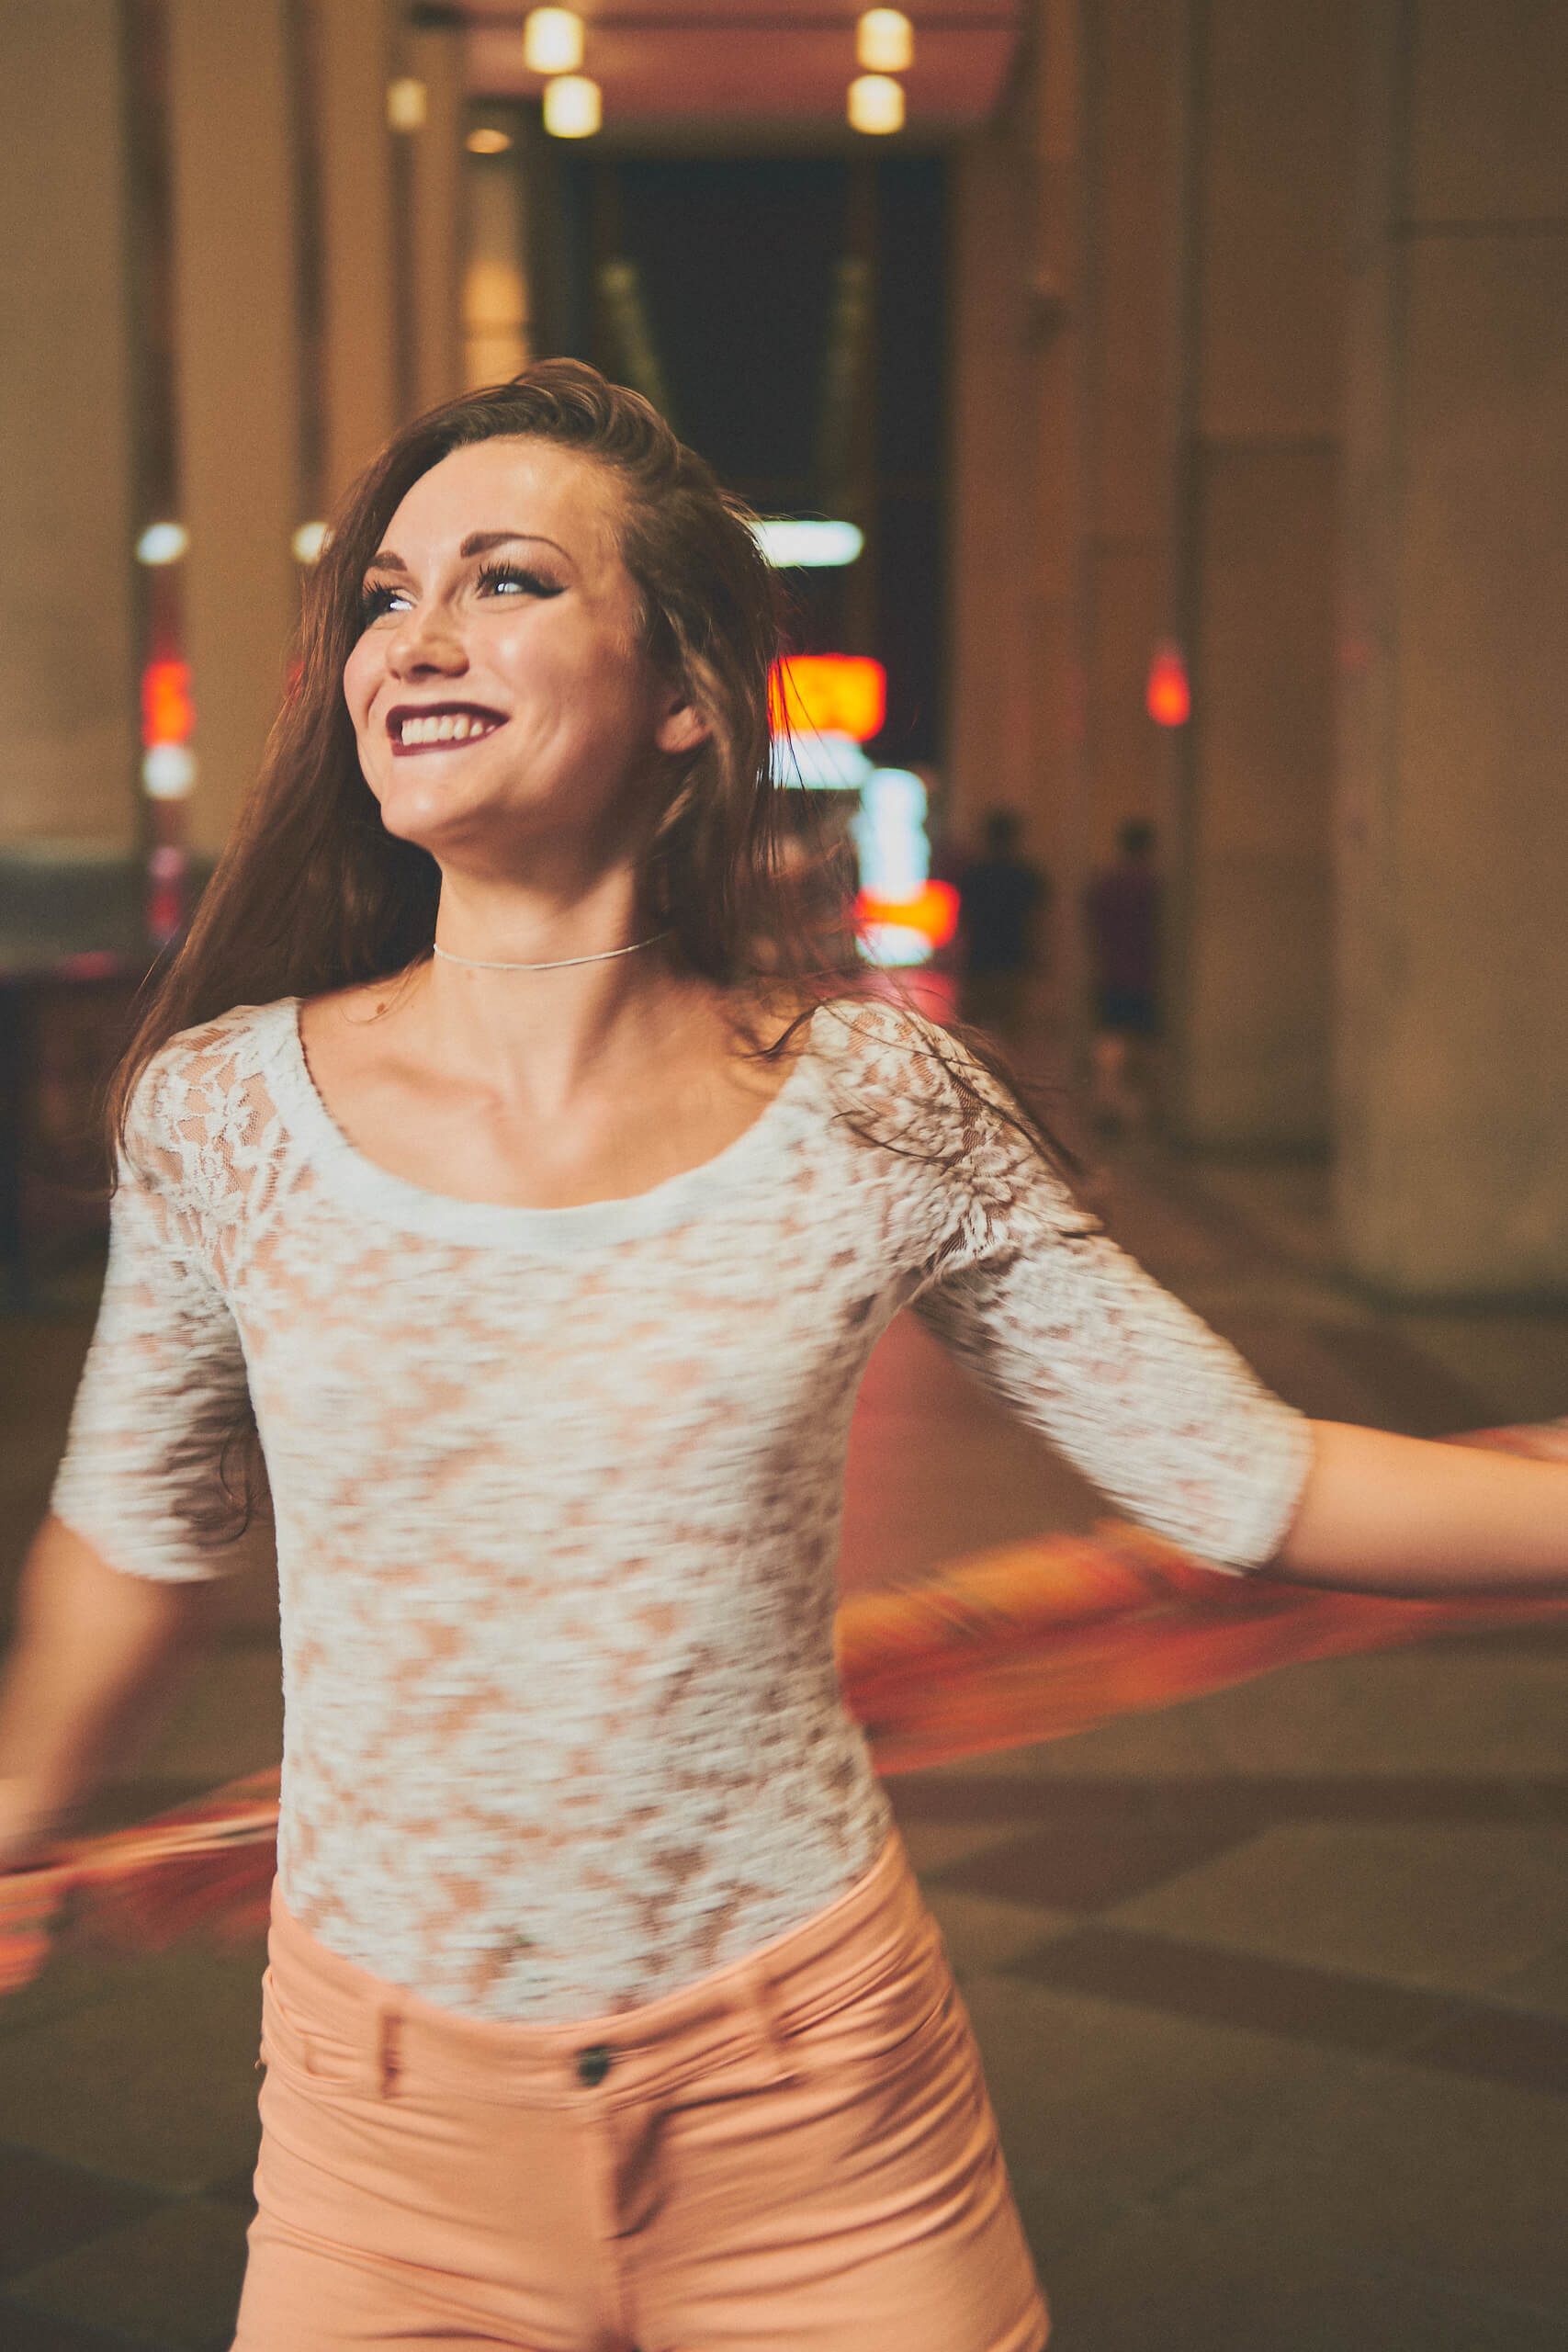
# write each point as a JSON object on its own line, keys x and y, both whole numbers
{"x": 1121, "y": 915}
{"x": 547, "y": 1241}
{"x": 1003, "y": 901}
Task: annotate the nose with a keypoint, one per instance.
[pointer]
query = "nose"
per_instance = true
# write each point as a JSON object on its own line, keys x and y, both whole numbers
{"x": 426, "y": 643}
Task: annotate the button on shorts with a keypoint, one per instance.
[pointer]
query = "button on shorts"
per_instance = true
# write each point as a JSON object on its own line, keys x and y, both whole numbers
{"x": 796, "y": 2151}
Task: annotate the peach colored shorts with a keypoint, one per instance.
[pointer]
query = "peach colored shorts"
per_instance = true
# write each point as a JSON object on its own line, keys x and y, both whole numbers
{"x": 798, "y": 2151}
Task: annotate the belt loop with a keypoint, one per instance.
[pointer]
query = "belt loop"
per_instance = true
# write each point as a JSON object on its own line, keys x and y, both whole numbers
{"x": 763, "y": 2001}
{"x": 389, "y": 2023}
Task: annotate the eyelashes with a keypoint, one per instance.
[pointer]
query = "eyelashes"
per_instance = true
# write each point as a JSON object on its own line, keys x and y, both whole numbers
{"x": 378, "y": 596}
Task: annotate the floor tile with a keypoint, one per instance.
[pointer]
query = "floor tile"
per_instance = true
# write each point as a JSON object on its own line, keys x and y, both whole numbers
{"x": 1264, "y": 1995}
{"x": 172, "y": 2280}
{"x": 46, "y": 2209}
{"x": 28, "y": 2330}
{"x": 1088, "y": 1862}
{"x": 153, "y": 2083}
{"x": 1457, "y": 1907}
{"x": 1461, "y": 2183}
{"x": 1152, "y": 2282}
{"x": 1436, "y": 1708}
{"x": 1102, "y": 2107}
{"x": 982, "y": 1936}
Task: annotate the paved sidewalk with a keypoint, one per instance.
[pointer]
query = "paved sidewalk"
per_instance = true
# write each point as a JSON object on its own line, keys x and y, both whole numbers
{"x": 1272, "y": 1986}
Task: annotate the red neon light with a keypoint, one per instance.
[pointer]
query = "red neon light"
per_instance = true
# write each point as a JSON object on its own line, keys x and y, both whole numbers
{"x": 166, "y": 713}
{"x": 934, "y": 914}
{"x": 827, "y": 694}
{"x": 1167, "y": 697}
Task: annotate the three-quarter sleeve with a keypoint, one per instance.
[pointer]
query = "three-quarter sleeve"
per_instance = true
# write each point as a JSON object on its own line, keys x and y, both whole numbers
{"x": 163, "y": 1386}
{"x": 1155, "y": 1409}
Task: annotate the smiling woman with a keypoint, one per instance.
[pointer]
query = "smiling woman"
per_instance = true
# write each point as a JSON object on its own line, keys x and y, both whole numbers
{"x": 602, "y": 2009}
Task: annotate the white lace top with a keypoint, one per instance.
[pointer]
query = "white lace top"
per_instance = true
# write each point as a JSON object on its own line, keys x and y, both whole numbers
{"x": 557, "y": 1490}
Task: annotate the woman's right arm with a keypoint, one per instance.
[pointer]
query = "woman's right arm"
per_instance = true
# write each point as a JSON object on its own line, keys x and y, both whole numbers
{"x": 120, "y": 1584}
{"x": 94, "y": 1653}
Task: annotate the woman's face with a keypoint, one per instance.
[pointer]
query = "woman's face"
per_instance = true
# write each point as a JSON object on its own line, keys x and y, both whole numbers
{"x": 500, "y": 691}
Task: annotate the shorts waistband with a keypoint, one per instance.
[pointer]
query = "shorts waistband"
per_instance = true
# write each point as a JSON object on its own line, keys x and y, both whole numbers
{"x": 344, "y": 2018}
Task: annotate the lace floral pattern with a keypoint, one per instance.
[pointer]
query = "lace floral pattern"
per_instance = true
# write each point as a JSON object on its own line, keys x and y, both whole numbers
{"x": 557, "y": 1490}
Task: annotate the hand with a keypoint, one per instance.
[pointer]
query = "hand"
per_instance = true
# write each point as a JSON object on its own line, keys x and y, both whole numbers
{"x": 27, "y": 1825}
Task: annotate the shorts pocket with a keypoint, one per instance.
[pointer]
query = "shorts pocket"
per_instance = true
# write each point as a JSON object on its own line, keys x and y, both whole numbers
{"x": 298, "y": 2048}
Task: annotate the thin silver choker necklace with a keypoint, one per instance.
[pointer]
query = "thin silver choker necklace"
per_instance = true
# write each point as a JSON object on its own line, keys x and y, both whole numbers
{"x": 562, "y": 963}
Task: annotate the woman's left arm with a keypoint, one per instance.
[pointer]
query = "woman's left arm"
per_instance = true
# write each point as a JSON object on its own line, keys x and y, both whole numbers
{"x": 1416, "y": 1518}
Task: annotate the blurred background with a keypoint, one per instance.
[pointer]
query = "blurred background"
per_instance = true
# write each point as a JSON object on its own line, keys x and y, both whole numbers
{"x": 1160, "y": 410}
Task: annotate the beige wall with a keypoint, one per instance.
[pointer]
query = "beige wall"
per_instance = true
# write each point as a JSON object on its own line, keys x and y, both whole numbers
{"x": 351, "y": 52}
{"x": 1017, "y": 474}
{"x": 67, "y": 634}
{"x": 1138, "y": 207}
{"x": 231, "y": 129}
{"x": 1273, "y": 82}
{"x": 1453, "y": 1012}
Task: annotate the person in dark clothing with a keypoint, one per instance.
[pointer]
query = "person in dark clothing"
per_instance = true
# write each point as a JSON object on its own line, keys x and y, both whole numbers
{"x": 1002, "y": 898}
{"x": 1121, "y": 915}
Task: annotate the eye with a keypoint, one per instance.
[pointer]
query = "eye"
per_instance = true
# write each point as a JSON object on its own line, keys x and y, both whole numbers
{"x": 378, "y": 598}
{"x": 515, "y": 579}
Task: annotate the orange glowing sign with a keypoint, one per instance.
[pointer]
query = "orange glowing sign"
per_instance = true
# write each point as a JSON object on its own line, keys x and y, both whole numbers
{"x": 1167, "y": 697}
{"x": 934, "y": 914}
{"x": 827, "y": 694}
{"x": 166, "y": 713}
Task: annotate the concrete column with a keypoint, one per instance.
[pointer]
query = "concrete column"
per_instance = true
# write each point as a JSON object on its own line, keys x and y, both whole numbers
{"x": 1018, "y": 466}
{"x": 433, "y": 51}
{"x": 352, "y": 55}
{"x": 1453, "y": 818}
{"x": 1139, "y": 100}
{"x": 993, "y": 730}
{"x": 1272, "y": 129}
{"x": 67, "y": 514}
{"x": 231, "y": 133}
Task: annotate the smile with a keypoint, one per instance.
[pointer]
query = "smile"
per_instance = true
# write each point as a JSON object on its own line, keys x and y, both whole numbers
{"x": 440, "y": 727}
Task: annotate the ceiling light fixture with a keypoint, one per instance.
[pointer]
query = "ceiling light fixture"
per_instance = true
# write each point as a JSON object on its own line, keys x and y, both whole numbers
{"x": 163, "y": 543}
{"x": 876, "y": 104}
{"x": 552, "y": 41}
{"x": 806, "y": 543}
{"x": 885, "y": 42}
{"x": 407, "y": 104}
{"x": 572, "y": 106}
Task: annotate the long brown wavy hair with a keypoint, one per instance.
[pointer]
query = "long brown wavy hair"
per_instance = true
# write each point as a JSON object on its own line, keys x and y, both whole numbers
{"x": 312, "y": 893}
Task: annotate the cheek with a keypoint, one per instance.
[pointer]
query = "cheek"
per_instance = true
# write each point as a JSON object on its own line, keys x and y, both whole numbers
{"x": 361, "y": 676}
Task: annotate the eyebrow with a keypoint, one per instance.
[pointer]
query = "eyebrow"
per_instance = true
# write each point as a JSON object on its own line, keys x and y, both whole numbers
{"x": 476, "y": 543}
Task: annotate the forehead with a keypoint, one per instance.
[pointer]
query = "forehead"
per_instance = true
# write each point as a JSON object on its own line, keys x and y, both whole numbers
{"x": 519, "y": 485}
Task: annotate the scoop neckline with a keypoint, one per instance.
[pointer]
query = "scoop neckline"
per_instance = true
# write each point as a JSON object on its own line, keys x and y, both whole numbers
{"x": 675, "y": 1200}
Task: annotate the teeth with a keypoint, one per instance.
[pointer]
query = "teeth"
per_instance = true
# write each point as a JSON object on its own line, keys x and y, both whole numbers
{"x": 446, "y": 727}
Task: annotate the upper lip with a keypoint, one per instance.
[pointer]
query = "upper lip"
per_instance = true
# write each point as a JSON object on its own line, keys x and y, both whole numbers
{"x": 399, "y": 712}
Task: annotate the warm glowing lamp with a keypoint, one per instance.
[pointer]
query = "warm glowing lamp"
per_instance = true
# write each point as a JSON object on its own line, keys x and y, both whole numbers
{"x": 572, "y": 108}
{"x": 408, "y": 103}
{"x": 307, "y": 542}
{"x": 552, "y": 41}
{"x": 166, "y": 713}
{"x": 1167, "y": 696}
{"x": 829, "y": 694}
{"x": 876, "y": 104}
{"x": 163, "y": 543}
{"x": 885, "y": 42}
{"x": 486, "y": 139}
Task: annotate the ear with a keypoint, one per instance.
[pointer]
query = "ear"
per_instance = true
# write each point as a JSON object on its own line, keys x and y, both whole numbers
{"x": 680, "y": 731}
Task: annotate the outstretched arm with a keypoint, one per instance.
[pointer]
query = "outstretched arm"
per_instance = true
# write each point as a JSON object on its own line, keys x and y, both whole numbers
{"x": 1417, "y": 1519}
{"x": 94, "y": 1651}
